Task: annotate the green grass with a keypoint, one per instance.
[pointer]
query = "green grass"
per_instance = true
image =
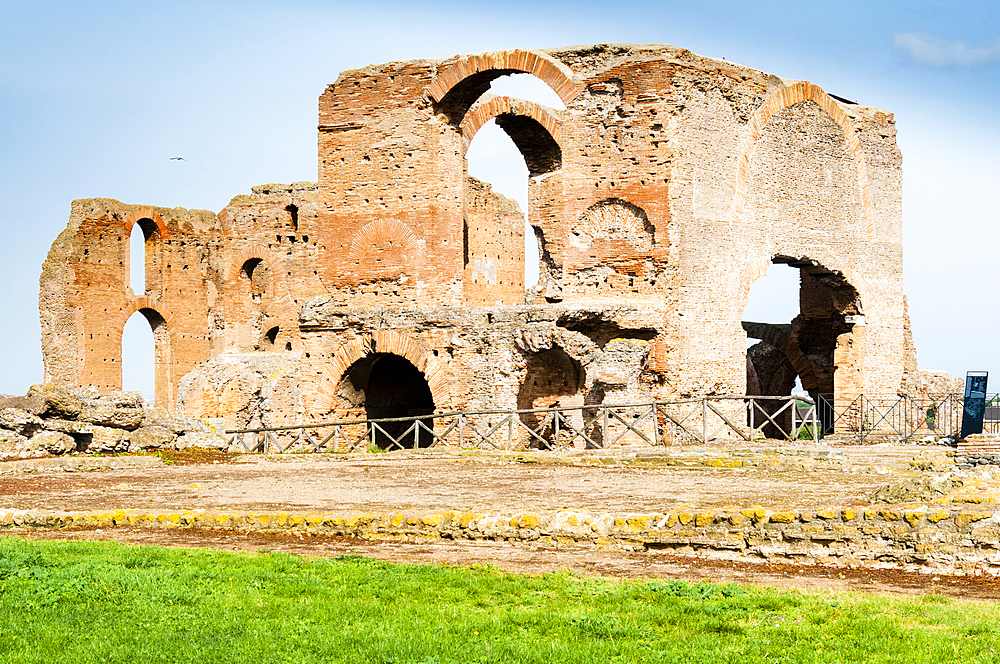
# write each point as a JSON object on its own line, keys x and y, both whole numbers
{"x": 102, "y": 602}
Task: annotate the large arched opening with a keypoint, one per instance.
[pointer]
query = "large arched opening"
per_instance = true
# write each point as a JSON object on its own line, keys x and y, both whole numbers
{"x": 145, "y": 356}
{"x": 799, "y": 320}
{"x": 143, "y": 265}
{"x": 552, "y": 379}
{"x": 513, "y": 152}
{"x": 386, "y": 385}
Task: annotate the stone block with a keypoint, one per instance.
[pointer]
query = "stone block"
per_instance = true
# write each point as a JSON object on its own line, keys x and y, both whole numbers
{"x": 153, "y": 437}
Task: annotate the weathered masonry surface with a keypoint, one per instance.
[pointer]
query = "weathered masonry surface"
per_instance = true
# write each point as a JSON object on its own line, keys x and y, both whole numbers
{"x": 395, "y": 284}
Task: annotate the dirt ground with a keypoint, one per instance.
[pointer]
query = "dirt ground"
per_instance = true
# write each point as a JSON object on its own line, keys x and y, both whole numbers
{"x": 382, "y": 482}
{"x": 484, "y": 483}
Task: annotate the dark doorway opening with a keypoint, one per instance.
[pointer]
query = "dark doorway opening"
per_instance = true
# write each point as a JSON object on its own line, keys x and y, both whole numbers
{"x": 388, "y": 386}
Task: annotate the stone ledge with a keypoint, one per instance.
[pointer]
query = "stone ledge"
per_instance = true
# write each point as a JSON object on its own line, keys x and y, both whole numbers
{"x": 960, "y": 540}
{"x": 77, "y": 464}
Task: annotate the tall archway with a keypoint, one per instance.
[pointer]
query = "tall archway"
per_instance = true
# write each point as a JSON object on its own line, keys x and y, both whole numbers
{"x": 146, "y": 356}
{"x": 512, "y": 146}
{"x": 143, "y": 264}
{"x": 386, "y": 385}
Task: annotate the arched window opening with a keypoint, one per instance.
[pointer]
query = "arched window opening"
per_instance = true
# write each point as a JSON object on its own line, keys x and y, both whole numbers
{"x": 794, "y": 319}
{"x": 270, "y": 336}
{"x": 388, "y": 386}
{"x": 141, "y": 242}
{"x": 144, "y": 344}
{"x": 293, "y": 216}
{"x": 257, "y": 277}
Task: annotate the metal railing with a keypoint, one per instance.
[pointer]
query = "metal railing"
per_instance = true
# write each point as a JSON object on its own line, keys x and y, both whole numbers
{"x": 596, "y": 426}
{"x": 893, "y": 417}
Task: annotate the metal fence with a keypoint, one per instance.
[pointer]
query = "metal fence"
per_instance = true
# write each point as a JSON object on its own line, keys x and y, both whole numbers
{"x": 595, "y": 426}
{"x": 893, "y": 417}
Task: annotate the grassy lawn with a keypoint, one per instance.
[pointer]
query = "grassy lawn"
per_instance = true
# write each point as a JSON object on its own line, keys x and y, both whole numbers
{"x": 87, "y": 602}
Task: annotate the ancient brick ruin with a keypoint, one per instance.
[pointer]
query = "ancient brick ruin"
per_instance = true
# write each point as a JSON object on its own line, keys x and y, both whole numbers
{"x": 395, "y": 285}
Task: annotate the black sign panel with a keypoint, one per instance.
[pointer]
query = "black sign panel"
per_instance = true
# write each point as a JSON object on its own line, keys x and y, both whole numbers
{"x": 975, "y": 403}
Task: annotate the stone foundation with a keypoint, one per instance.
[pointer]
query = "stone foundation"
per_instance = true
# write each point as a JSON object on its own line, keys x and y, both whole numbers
{"x": 932, "y": 538}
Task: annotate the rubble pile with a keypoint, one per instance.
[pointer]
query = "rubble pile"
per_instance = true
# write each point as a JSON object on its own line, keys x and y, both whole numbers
{"x": 54, "y": 420}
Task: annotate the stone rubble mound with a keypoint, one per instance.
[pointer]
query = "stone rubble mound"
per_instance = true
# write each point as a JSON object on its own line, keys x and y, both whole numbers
{"x": 53, "y": 420}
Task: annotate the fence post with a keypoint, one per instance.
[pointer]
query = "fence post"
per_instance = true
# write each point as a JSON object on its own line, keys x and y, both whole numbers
{"x": 656, "y": 425}
{"x": 704, "y": 419}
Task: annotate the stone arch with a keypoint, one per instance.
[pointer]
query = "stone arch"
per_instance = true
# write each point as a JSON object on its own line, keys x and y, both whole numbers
{"x": 614, "y": 218}
{"x": 491, "y": 106}
{"x": 535, "y": 129}
{"x": 462, "y": 82}
{"x": 153, "y": 228}
{"x": 781, "y": 99}
{"x": 282, "y": 295}
{"x": 382, "y": 229}
{"x": 162, "y": 324}
{"x": 142, "y": 304}
{"x": 382, "y": 249}
{"x": 146, "y": 213}
{"x": 388, "y": 342}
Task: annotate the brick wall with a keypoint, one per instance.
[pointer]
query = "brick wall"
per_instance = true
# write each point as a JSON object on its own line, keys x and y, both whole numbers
{"x": 657, "y": 197}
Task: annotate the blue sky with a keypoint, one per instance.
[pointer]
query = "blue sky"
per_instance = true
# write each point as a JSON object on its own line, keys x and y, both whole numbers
{"x": 96, "y": 98}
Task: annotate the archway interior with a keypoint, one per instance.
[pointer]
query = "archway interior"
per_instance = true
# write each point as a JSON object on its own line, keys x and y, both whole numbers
{"x": 142, "y": 337}
{"x": 552, "y": 379}
{"x": 144, "y": 233}
{"x": 795, "y": 317}
{"x": 387, "y": 386}
{"x": 254, "y": 284}
{"x": 508, "y": 149}
{"x": 773, "y": 302}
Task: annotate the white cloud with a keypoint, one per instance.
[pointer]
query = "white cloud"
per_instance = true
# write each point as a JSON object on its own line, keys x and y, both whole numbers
{"x": 940, "y": 53}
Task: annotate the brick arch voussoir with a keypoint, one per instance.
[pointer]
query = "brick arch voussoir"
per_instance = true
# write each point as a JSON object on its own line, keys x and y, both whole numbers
{"x": 482, "y": 112}
{"x": 146, "y": 213}
{"x": 555, "y": 74}
{"x": 781, "y": 99}
{"x": 378, "y": 229}
{"x": 144, "y": 302}
{"x": 385, "y": 341}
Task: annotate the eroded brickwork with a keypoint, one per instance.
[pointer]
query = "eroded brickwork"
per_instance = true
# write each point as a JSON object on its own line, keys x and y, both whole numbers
{"x": 666, "y": 187}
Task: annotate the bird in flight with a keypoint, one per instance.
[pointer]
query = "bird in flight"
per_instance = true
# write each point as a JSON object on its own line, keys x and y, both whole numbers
{"x": 178, "y": 159}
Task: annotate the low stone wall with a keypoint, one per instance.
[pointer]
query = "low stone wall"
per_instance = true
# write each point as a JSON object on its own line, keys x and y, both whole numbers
{"x": 935, "y": 538}
{"x": 978, "y": 450}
